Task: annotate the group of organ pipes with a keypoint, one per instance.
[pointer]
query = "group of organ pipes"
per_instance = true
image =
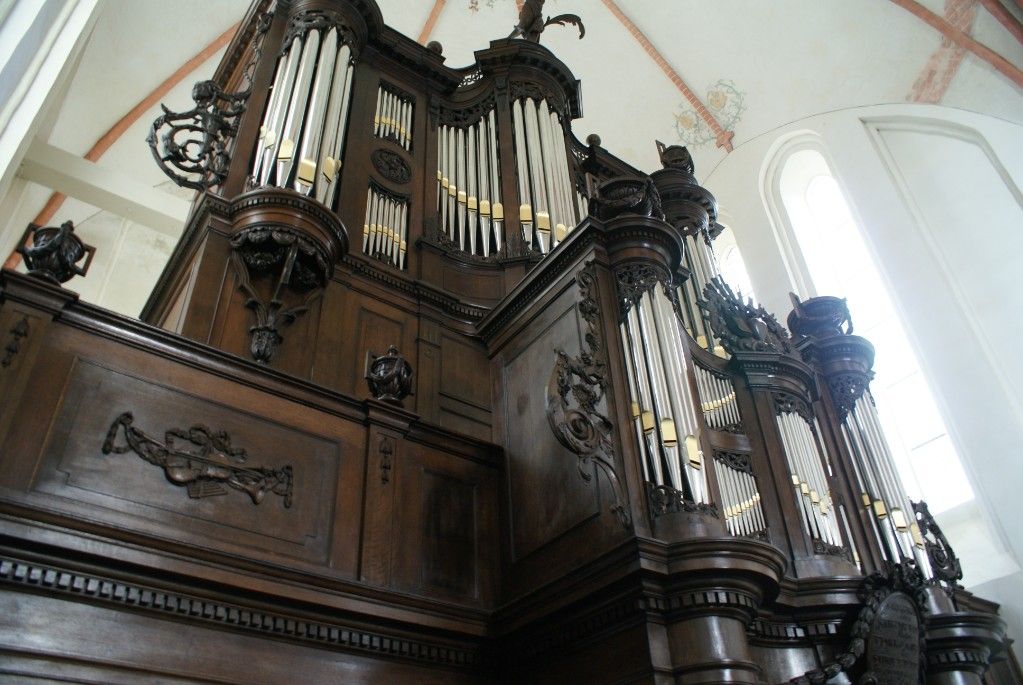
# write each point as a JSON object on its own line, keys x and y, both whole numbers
{"x": 469, "y": 203}
{"x": 673, "y": 399}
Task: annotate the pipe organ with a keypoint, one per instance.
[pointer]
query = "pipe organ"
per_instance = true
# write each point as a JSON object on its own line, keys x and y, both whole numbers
{"x": 375, "y": 428}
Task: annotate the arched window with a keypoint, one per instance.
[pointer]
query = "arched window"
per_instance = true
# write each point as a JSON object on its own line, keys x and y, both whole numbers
{"x": 837, "y": 262}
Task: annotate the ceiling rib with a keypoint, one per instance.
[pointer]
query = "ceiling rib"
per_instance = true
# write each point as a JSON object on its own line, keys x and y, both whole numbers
{"x": 724, "y": 137}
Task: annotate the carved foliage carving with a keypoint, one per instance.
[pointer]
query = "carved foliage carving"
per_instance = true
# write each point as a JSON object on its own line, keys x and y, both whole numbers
{"x": 302, "y": 269}
{"x": 13, "y": 346}
{"x": 191, "y": 147}
{"x": 741, "y": 326}
{"x": 944, "y": 563}
{"x": 737, "y": 461}
{"x": 56, "y": 252}
{"x": 846, "y": 389}
{"x": 303, "y": 22}
{"x": 787, "y": 403}
{"x": 666, "y": 500}
{"x": 202, "y": 460}
{"x": 386, "y": 449}
{"x": 635, "y": 280}
{"x": 531, "y": 22}
{"x": 391, "y": 166}
{"x": 575, "y": 391}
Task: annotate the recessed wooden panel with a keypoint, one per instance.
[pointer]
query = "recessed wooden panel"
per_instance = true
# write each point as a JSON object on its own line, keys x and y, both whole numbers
{"x": 133, "y": 493}
{"x": 464, "y": 387}
{"x": 483, "y": 287}
{"x": 449, "y": 533}
{"x": 549, "y": 496}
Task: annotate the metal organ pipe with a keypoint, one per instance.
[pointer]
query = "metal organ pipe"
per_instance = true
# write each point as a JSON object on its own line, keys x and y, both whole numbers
{"x": 304, "y": 125}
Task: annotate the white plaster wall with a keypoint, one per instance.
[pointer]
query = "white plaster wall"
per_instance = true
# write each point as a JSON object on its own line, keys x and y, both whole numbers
{"x": 936, "y": 191}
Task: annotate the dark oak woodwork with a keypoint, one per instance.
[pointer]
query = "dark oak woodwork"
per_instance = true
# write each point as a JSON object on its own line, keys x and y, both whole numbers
{"x": 185, "y": 501}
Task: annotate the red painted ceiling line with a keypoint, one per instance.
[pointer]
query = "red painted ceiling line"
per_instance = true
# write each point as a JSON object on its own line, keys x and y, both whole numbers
{"x": 431, "y": 21}
{"x": 724, "y": 138}
{"x": 124, "y": 123}
{"x": 936, "y": 77}
{"x": 1001, "y": 64}
{"x": 1004, "y": 17}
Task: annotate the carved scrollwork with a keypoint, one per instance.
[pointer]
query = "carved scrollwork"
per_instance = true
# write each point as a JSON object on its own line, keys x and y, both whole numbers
{"x": 945, "y": 565}
{"x": 391, "y": 166}
{"x": 575, "y": 391}
{"x": 667, "y": 500}
{"x": 787, "y": 403}
{"x": 303, "y": 269}
{"x": 741, "y": 326}
{"x": 13, "y": 346}
{"x": 303, "y": 22}
{"x": 846, "y": 390}
{"x": 464, "y": 117}
{"x": 191, "y": 147}
{"x": 55, "y": 253}
{"x": 205, "y": 463}
{"x": 821, "y": 547}
{"x": 737, "y": 461}
{"x": 635, "y": 280}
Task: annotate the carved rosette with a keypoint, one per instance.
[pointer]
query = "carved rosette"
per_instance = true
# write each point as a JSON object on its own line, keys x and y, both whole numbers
{"x": 391, "y": 166}
{"x": 56, "y": 252}
{"x": 575, "y": 394}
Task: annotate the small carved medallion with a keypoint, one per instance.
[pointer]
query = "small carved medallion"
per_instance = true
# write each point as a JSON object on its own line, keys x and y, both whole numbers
{"x": 17, "y": 332}
{"x": 203, "y": 461}
{"x": 391, "y": 166}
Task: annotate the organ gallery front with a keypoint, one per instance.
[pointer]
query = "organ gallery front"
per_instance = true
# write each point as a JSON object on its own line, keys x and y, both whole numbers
{"x": 433, "y": 391}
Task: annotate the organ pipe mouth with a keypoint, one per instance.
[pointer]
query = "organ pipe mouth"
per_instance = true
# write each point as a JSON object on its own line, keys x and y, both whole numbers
{"x": 693, "y": 452}
{"x": 918, "y": 538}
{"x": 880, "y": 510}
{"x": 525, "y": 213}
{"x": 668, "y": 435}
{"x": 498, "y": 211}
{"x": 635, "y": 410}
{"x": 647, "y": 419}
{"x": 899, "y": 519}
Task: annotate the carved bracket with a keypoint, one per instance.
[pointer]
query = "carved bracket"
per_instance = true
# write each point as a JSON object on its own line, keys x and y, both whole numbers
{"x": 191, "y": 147}
{"x": 205, "y": 463}
{"x": 573, "y": 405}
{"x": 303, "y": 269}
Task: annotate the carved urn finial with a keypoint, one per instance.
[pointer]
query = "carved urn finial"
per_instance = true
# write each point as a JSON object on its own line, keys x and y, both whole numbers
{"x": 390, "y": 377}
{"x": 819, "y": 317}
{"x": 55, "y": 253}
{"x": 676, "y": 157}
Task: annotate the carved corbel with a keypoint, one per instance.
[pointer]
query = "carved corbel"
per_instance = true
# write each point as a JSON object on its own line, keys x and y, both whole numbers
{"x": 301, "y": 268}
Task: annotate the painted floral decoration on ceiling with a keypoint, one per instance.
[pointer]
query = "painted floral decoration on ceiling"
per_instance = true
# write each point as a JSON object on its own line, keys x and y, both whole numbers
{"x": 726, "y": 104}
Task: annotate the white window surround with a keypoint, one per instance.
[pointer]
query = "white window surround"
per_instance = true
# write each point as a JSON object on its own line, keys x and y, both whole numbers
{"x": 969, "y": 518}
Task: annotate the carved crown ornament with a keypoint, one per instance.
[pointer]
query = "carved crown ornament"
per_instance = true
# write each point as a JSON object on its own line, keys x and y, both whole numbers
{"x": 575, "y": 394}
{"x": 742, "y": 326}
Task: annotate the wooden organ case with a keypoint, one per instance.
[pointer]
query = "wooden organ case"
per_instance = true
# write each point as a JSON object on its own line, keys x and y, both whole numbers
{"x": 432, "y": 392}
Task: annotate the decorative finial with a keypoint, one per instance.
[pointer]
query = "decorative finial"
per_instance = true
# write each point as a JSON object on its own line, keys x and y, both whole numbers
{"x": 56, "y": 252}
{"x": 531, "y": 23}
{"x": 676, "y": 157}
{"x": 390, "y": 377}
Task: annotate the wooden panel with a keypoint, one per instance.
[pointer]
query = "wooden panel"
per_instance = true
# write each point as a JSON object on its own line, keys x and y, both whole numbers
{"x": 464, "y": 387}
{"x": 132, "y": 493}
{"x": 445, "y": 534}
{"x": 476, "y": 286}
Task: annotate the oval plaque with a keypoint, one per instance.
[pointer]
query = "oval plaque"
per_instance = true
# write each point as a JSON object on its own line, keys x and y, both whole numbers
{"x": 893, "y": 648}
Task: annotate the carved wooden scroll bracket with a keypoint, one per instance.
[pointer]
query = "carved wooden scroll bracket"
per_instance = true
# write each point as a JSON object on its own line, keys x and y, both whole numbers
{"x": 203, "y": 461}
{"x": 572, "y": 405}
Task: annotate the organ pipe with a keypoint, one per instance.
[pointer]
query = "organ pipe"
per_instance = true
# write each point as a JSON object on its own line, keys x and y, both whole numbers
{"x": 303, "y": 129}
